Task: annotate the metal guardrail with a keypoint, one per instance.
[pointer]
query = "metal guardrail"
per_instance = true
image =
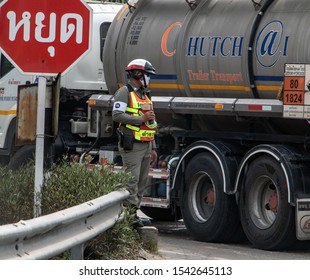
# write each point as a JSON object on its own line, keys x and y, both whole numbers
{"x": 47, "y": 236}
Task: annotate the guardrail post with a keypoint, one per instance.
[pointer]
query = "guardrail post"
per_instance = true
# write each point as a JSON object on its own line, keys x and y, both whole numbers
{"x": 77, "y": 252}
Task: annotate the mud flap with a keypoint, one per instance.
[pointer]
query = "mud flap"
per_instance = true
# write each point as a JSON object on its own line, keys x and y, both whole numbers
{"x": 303, "y": 219}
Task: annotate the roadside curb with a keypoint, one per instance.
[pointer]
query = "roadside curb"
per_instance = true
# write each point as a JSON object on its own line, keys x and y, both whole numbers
{"x": 149, "y": 238}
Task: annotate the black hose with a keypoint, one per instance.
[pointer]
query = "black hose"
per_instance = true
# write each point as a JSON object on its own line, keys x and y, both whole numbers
{"x": 257, "y": 21}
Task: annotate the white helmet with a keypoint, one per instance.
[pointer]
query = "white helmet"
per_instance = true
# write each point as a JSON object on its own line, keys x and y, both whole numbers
{"x": 141, "y": 64}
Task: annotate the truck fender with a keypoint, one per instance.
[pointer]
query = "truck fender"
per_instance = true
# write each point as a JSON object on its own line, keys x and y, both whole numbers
{"x": 288, "y": 158}
{"x": 227, "y": 155}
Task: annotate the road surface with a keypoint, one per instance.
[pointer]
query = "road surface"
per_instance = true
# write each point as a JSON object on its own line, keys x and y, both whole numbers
{"x": 176, "y": 243}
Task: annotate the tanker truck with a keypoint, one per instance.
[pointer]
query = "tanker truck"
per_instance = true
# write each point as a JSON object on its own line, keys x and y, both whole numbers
{"x": 231, "y": 98}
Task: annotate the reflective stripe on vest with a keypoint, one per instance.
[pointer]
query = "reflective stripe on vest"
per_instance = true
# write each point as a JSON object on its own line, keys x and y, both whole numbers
{"x": 142, "y": 132}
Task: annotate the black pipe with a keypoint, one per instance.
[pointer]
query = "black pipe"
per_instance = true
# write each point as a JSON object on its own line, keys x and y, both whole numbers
{"x": 257, "y": 21}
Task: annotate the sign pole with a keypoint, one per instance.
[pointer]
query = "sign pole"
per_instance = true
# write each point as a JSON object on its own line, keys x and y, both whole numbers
{"x": 39, "y": 158}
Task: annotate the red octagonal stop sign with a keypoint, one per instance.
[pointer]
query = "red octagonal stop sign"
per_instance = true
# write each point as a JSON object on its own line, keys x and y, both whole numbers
{"x": 42, "y": 36}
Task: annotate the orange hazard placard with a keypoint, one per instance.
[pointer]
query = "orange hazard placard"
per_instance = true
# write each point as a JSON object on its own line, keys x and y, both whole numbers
{"x": 292, "y": 83}
{"x": 293, "y": 97}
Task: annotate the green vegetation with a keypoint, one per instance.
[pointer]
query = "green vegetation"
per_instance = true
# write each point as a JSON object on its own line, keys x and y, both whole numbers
{"x": 120, "y": 242}
{"x": 67, "y": 185}
{"x": 16, "y": 194}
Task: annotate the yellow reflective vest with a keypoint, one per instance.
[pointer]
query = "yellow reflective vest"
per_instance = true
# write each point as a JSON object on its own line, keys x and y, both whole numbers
{"x": 137, "y": 107}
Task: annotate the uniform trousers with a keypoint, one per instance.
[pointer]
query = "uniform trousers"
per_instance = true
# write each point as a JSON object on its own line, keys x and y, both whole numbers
{"x": 137, "y": 161}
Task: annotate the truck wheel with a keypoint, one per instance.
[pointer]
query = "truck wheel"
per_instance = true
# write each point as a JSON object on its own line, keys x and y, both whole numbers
{"x": 161, "y": 214}
{"x": 22, "y": 156}
{"x": 266, "y": 216}
{"x": 209, "y": 214}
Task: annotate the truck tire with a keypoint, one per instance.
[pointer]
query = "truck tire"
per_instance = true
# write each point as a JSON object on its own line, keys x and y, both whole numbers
{"x": 266, "y": 216}
{"x": 4, "y": 160}
{"x": 22, "y": 156}
{"x": 209, "y": 214}
{"x": 161, "y": 214}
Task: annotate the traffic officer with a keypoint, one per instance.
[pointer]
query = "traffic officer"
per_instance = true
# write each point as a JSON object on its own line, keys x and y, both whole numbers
{"x": 133, "y": 110}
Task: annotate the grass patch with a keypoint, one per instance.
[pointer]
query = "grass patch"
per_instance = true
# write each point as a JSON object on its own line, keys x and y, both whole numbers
{"x": 119, "y": 242}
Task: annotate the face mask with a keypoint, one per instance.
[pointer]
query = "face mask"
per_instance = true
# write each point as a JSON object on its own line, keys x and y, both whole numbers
{"x": 147, "y": 80}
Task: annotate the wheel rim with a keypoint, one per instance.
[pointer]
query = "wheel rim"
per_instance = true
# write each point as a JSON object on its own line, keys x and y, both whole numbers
{"x": 202, "y": 197}
{"x": 263, "y": 202}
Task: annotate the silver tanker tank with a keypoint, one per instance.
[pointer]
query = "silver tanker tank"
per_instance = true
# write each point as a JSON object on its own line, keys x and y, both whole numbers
{"x": 210, "y": 48}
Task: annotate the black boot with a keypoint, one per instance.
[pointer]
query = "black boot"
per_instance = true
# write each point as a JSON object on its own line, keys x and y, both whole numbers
{"x": 137, "y": 222}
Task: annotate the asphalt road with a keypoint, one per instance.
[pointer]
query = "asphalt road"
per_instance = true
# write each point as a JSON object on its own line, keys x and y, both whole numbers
{"x": 176, "y": 244}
